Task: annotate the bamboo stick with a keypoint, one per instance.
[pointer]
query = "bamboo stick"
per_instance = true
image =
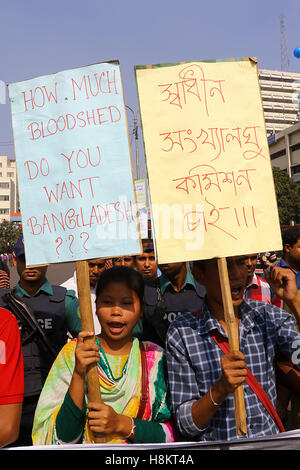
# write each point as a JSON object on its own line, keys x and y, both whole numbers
{"x": 87, "y": 323}
{"x": 233, "y": 338}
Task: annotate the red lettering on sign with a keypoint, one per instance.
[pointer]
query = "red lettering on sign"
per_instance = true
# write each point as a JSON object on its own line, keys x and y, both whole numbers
{"x": 39, "y": 96}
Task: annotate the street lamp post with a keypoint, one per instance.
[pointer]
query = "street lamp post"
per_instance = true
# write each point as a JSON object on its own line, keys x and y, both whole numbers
{"x": 135, "y": 124}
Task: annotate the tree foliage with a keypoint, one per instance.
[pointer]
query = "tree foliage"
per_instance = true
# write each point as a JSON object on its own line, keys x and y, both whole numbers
{"x": 9, "y": 234}
{"x": 288, "y": 197}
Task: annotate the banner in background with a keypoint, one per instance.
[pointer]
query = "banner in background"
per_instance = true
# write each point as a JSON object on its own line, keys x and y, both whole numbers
{"x": 141, "y": 199}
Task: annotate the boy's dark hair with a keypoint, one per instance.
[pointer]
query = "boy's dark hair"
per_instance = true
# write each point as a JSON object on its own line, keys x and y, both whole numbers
{"x": 125, "y": 274}
{"x": 290, "y": 236}
{"x": 148, "y": 245}
{"x": 200, "y": 264}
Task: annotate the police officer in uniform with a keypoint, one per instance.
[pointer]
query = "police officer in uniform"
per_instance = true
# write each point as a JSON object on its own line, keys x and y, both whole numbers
{"x": 174, "y": 292}
{"x": 55, "y": 312}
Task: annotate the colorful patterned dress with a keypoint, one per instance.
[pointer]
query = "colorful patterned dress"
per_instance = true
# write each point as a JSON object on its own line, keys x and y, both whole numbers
{"x": 121, "y": 391}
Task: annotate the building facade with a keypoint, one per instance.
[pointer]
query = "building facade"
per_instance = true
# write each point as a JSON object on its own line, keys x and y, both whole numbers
{"x": 9, "y": 199}
{"x": 280, "y": 92}
{"x": 284, "y": 149}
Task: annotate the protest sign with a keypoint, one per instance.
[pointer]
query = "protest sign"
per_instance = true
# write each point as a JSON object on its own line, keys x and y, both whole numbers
{"x": 210, "y": 176}
{"x": 75, "y": 175}
{"x": 74, "y": 165}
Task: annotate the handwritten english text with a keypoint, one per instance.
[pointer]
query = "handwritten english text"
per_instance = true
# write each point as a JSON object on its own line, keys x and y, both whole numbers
{"x": 69, "y": 190}
{"x": 70, "y": 219}
{"x": 69, "y": 122}
{"x": 86, "y": 88}
{"x": 77, "y": 159}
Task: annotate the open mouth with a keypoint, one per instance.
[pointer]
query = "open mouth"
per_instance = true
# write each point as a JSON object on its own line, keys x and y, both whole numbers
{"x": 237, "y": 292}
{"x": 116, "y": 328}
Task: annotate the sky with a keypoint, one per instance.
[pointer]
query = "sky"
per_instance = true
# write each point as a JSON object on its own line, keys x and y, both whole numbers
{"x": 40, "y": 38}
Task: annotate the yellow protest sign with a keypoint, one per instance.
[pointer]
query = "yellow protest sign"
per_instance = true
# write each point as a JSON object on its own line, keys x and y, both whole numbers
{"x": 210, "y": 176}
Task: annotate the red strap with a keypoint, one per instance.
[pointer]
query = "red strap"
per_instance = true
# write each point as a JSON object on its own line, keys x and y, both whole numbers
{"x": 251, "y": 381}
{"x": 144, "y": 391}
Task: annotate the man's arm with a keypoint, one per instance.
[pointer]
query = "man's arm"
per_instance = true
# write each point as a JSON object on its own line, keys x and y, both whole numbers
{"x": 11, "y": 379}
{"x": 234, "y": 372}
{"x": 283, "y": 282}
{"x": 193, "y": 413}
{"x": 10, "y": 417}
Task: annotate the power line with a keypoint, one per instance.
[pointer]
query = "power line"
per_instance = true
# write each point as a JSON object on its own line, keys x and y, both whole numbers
{"x": 285, "y": 62}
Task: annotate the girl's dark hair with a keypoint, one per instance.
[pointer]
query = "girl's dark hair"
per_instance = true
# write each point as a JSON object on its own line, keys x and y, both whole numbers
{"x": 129, "y": 276}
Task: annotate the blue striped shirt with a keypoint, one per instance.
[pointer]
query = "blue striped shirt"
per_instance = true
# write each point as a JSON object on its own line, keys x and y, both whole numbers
{"x": 194, "y": 365}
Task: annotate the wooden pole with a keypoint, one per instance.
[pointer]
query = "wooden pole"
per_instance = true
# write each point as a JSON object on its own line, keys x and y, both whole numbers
{"x": 87, "y": 323}
{"x": 233, "y": 338}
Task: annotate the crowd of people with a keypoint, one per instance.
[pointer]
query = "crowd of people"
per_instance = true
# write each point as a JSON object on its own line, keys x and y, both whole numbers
{"x": 166, "y": 372}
